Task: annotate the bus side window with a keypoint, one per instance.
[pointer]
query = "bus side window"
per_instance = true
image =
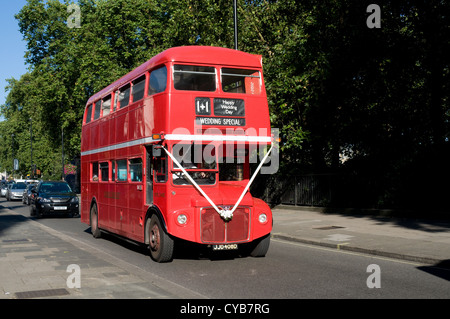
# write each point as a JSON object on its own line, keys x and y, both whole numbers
{"x": 95, "y": 172}
{"x": 135, "y": 169}
{"x": 124, "y": 96}
{"x": 116, "y": 101}
{"x": 104, "y": 170}
{"x": 88, "y": 114}
{"x": 160, "y": 168}
{"x": 97, "y": 109}
{"x": 138, "y": 88}
{"x": 122, "y": 174}
{"x": 106, "y": 106}
{"x": 158, "y": 81}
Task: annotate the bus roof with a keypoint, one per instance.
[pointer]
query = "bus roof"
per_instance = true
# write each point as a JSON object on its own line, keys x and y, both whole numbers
{"x": 187, "y": 54}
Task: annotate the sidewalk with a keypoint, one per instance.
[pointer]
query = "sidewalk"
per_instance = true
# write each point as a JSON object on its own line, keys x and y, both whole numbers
{"x": 35, "y": 263}
{"x": 417, "y": 240}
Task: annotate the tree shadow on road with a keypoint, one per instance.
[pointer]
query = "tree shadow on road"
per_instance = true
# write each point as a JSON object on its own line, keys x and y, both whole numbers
{"x": 423, "y": 221}
{"x": 441, "y": 269}
{"x": 9, "y": 220}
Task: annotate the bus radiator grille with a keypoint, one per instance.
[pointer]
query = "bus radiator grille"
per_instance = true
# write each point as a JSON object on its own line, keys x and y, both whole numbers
{"x": 215, "y": 230}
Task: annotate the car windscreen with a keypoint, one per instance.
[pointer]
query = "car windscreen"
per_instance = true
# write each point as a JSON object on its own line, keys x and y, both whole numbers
{"x": 55, "y": 188}
{"x": 19, "y": 186}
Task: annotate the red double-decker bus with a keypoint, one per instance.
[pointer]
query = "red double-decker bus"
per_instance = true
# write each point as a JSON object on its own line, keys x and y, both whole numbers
{"x": 166, "y": 153}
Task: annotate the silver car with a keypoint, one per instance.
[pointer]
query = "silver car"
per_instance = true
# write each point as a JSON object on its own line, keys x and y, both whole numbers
{"x": 15, "y": 191}
{"x": 3, "y": 190}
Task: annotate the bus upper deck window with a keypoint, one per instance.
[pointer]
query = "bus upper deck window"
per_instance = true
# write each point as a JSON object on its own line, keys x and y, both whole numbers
{"x": 88, "y": 114}
{"x": 106, "y": 106}
{"x": 194, "y": 77}
{"x": 158, "y": 81}
{"x": 138, "y": 88}
{"x": 97, "y": 109}
{"x": 241, "y": 81}
{"x": 124, "y": 96}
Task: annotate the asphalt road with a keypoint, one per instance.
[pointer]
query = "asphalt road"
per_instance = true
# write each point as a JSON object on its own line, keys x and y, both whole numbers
{"x": 290, "y": 270}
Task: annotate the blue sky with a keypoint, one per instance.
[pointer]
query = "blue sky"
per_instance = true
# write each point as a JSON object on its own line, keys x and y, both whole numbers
{"x": 12, "y": 50}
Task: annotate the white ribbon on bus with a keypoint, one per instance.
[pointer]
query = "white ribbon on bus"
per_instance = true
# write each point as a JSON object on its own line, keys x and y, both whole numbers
{"x": 224, "y": 213}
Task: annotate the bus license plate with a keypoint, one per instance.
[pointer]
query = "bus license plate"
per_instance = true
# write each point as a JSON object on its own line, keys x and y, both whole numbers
{"x": 60, "y": 208}
{"x": 225, "y": 247}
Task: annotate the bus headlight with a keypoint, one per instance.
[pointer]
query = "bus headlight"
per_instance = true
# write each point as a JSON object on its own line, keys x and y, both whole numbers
{"x": 262, "y": 218}
{"x": 182, "y": 219}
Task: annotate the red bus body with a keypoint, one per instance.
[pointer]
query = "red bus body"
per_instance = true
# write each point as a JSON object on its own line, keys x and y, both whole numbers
{"x": 190, "y": 96}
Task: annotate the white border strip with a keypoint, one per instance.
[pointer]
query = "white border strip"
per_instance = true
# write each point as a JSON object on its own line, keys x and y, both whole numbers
{"x": 181, "y": 137}
{"x": 145, "y": 140}
{"x": 236, "y": 138}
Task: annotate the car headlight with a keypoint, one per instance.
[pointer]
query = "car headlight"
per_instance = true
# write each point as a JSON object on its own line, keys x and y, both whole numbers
{"x": 74, "y": 200}
{"x": 44, "y": 200}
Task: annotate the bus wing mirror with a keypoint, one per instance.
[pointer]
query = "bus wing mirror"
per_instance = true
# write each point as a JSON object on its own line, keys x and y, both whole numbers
{"x": 156, "y": 150}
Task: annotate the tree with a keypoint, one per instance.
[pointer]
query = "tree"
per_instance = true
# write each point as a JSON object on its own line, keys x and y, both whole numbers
{"x": 378, "y": 96}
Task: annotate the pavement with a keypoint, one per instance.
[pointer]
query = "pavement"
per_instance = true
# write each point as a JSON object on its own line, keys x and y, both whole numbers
{"x": 421, "y": 240}
{"x": 37, "y": 261}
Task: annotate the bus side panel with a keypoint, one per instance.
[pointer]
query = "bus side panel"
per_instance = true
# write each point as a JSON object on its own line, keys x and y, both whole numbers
{"x": 161, "y": 108}
{"x": 136, "y": 120}
{"x": 109, "y": 195}
{"x": 121, "y": 127}
{"x": 84, "y": 211}
{"x": 121, "y": 209}
{"x": 160, "y": 198}
{"x": 85, "y": 138}
{"x": 148, "y": 116}
{"x": 95, "y": 132}
{"x": 104, "y": 138}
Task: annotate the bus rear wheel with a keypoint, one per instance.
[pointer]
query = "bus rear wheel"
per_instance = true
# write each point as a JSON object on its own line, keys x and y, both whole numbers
{"x": 160, "y": 244}
{"x": 94, "y": 222}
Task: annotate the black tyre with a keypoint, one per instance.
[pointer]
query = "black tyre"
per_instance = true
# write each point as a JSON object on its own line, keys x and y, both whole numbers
{"x": 35, "y": 212}
{"x": 32, "y": 211}
{"x": 160, "y": 243}
{"x": 94, "y": 222}
{"x": 260, "y": 247}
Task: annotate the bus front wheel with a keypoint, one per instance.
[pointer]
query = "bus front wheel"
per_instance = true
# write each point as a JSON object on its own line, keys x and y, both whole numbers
{"x": 260, "y": 247}
{"x": 160, "y": 244}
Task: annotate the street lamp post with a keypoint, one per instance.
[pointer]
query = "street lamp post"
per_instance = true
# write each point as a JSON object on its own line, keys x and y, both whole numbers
{"x": 31, "y": 149}
{"x": 235, "y": 25}
{"x": 62, "y": 151}
{"x": 13, "y": 153}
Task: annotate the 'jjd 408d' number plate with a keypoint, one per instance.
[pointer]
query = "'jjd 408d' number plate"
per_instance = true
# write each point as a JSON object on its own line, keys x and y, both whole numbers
{"x": 225, "y": 247}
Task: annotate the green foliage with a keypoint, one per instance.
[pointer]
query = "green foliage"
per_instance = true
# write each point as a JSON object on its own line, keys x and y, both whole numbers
{"x": 335, "y": 87}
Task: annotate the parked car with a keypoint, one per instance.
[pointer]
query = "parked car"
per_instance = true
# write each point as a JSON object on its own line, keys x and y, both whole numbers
{"x": 15, "y": 191}
{"x": 27, "y": 193}
{"x": 3, "y": 190}
{"x": 53, "y": 198}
